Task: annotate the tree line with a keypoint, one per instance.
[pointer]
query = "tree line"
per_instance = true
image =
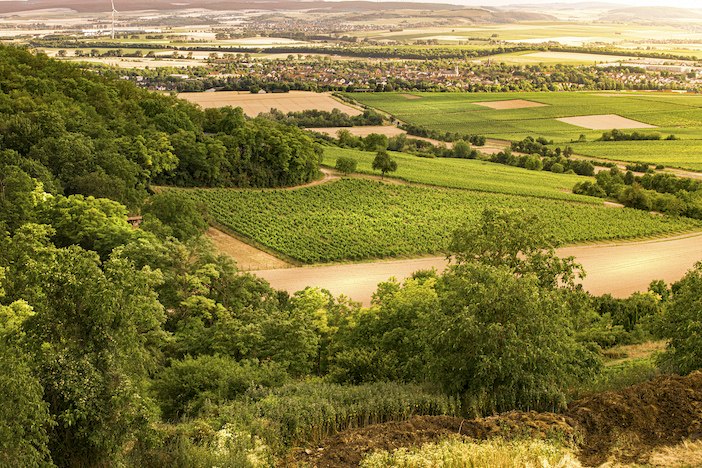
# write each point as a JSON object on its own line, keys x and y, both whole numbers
{"x": 77, "y": 132}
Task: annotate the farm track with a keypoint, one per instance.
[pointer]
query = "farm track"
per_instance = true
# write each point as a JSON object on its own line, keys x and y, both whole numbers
{"x": 619, "y": 269}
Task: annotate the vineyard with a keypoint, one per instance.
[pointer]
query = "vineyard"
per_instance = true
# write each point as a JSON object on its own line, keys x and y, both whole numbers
{"x": 670, "y": 113}
{"x": 470, "y": 174}
{"x": 361, "y": 219}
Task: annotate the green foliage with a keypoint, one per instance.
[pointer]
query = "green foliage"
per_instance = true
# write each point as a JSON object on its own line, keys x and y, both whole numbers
{"x": 182, "y": 217}
{"x": 346, "y": 165}
{"x": 385, "y": 342}
{"x": 375, "y": 142}
{"x": 79, "y": 133}
{"x": 475, "y": 175}
{"x": 185, "y": 386}
{"x": 93, "y": 339}
{"x": 384, "y": 163}
{"x": 360, "y": 219}
{"x": 503, "y": 342}
{"x": 517, "y": 241}
{"x": 681, "y": 324}
{"x": 24, "y": 415}
{"x": 307, "y": 412}
{"x": 618, "y": 376}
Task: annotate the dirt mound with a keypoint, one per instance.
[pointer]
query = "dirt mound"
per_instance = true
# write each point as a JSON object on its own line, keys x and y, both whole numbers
{"x": 624, "y": 426}
{"x": 630, "y": 423}
{"x": 347, "y": 448}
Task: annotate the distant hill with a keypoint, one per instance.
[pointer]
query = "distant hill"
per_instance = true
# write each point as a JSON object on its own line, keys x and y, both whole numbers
{"x": 90, "y": 6}
{"x": 473, "y": 14}
{"x": 95, "y": 6}
{"x": 656, "y": 14}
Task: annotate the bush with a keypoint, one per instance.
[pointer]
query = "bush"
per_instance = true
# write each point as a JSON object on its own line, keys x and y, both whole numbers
{"x": 557, "y": 168}
{"x": 681, "y": 324}
{"x": 183, "y": 388}
{"x": 346, "y": 165}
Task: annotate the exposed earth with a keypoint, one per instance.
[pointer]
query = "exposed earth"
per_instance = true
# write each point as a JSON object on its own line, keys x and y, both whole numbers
{"x": 618, "y": 269}
{"x": 627, "y": 426}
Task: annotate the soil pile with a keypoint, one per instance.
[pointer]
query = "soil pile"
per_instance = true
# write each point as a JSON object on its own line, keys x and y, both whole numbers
{"x": 630, "y": 423}
{"x": 624, "y": 426}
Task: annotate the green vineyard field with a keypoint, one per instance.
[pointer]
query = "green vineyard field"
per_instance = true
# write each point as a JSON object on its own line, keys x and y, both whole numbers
{"x": 354, "y": 219}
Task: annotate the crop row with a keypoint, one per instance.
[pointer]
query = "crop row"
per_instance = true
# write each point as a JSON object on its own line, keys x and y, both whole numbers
{"x": 361, "y": 219}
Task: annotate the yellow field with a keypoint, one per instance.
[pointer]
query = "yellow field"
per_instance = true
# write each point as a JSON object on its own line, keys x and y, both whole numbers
{"x": 254, "y": 104}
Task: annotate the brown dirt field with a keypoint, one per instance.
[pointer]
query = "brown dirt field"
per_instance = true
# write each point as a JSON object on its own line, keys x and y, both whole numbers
{"x": 387, "y": 130}
{"x": 510, "y": 104}
{"x": 254, "y": 104}
{"x": 616, "y": 268}
{"x": 246, "y": 256}
{"x": 633, "y": 425}
{"x": 604, "y": 122}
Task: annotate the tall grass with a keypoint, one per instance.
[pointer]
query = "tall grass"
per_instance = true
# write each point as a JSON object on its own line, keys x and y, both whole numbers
{"x": 495, "y": 453}
{"x": 306, "y": 413}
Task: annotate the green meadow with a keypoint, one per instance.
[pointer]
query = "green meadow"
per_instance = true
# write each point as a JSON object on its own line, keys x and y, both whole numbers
{"x": 469, "y": 174}
{"x": 679, "y": 114}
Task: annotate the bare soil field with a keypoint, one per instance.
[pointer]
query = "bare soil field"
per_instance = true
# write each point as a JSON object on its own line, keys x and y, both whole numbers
{"x": 618, "y": 269}
{"x": 633, "y": 425}
{"x": 254, "y": 104}
{"x": 387, "y": 130}
{"x": 140, "y": 63}
{"x": 604, "y": 122}
{"x": 247, "y": 257}
{"x": 577, "y": 56}
{"x": 510, "y": 104}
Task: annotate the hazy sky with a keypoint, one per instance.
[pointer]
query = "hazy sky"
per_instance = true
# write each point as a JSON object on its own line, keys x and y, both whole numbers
{"x": 676, "y": 3}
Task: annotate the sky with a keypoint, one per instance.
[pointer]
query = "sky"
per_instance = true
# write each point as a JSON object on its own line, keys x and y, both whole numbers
{"x": 677, "y": 3}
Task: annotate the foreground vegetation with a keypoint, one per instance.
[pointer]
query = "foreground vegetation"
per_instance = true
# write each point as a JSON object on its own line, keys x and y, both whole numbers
{"x": 495, "y": 453}
{"x": 361, "y": 219}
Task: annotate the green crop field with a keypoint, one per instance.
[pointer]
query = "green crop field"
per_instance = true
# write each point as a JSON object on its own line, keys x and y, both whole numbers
{"x": 670, "y": 113}
{"x": 469, "y": 174}
{"x": 683, "y": 153}
{"x": 355, "y": 219}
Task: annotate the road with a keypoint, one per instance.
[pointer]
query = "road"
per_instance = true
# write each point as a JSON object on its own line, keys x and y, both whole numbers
{"x": 619, "y": 269}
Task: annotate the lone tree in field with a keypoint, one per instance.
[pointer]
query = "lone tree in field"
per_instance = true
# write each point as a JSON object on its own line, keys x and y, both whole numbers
{"x": 346, "y": 165}
{"x": 384, "y": 163}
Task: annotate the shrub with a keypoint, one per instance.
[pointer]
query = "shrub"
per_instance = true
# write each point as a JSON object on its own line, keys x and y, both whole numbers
{"x": 346, "y": 165}
{"x": 557, "y": 168}
{"x": 184, "y": 387}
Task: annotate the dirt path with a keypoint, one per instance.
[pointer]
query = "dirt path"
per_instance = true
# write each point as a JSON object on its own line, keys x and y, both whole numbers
{"x": 247, "y": 257}
{"x": 619, "y": 269}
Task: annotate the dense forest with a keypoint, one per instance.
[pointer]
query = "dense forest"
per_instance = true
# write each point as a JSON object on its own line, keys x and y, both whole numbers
{"x": 143, "y": 347}
{"x": 78, "y": 133}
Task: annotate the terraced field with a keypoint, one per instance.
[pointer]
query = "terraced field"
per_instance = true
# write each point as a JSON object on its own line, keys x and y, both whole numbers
{"x": 470, "y": 174}
{"x": 671, "y": 113}
{"x": 355, "y": 219}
